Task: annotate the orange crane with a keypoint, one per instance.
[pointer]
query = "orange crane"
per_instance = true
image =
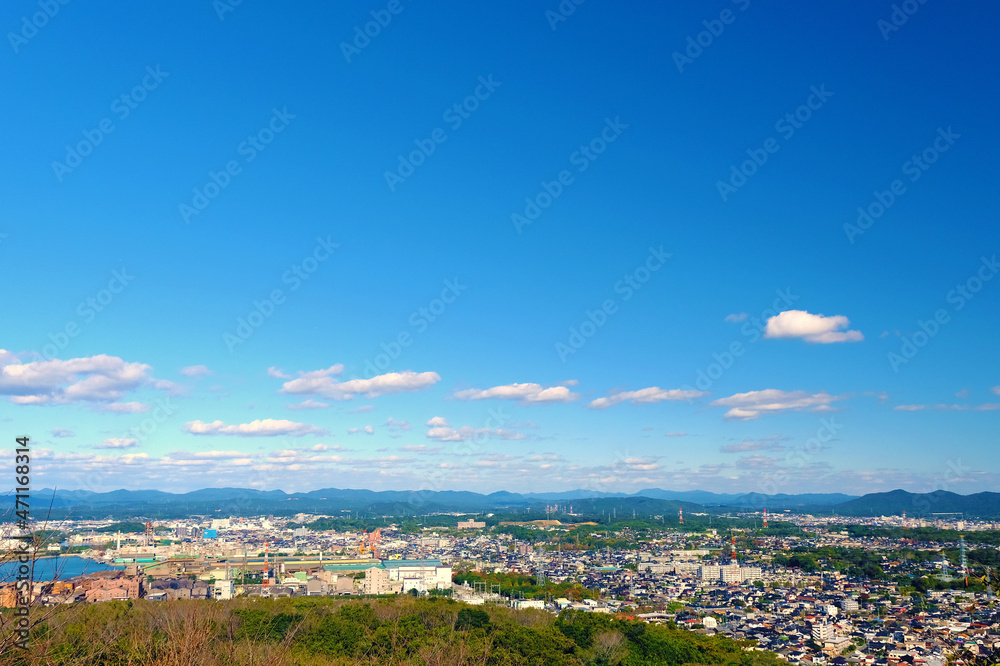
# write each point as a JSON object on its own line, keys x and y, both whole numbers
{"x": 369, "y": 542}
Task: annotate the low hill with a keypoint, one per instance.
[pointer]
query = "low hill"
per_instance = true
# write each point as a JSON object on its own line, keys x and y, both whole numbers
{"x": 330, "y": 630}
{"x": 922, "y": 505}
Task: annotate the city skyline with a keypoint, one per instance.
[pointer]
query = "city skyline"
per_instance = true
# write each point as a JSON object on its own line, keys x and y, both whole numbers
{"x": 611, "y": 249}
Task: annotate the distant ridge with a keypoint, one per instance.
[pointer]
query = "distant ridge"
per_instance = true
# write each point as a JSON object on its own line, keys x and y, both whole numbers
{"x": 894, "y": 502}
{"x": 650, "y": 501}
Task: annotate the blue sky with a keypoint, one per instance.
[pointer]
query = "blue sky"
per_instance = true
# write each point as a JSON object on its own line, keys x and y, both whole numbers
{"x": 571, "y": 222}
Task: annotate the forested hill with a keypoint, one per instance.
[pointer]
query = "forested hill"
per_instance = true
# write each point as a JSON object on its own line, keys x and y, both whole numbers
{"x": 324, "y": 630}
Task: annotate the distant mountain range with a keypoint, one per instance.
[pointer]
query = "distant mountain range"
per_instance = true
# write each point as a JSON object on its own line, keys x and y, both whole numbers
{"x": 650, "y": 501}
{"x": 922, "y": 505}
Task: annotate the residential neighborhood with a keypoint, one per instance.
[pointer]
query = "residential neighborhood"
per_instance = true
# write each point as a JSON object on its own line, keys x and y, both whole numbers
{"x": 810, "y": 590}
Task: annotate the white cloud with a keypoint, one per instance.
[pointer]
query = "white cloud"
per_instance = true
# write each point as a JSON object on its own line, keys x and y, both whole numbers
{"x": 322, "y": 383}
{"x": 442, "y": 432}
{"x": 645, "y": 396}
{"x": 640, "y": 464}
{"x": 985, "y": 407}
{"x": 218, "y": 461}
{"x": 737, "y": 318}
{"x": 996, "y": 390}
{"x": 745, "y": 406}
{"x": 125, "y": 407}
{"x": 765, "y": 444}
{"x": 117, "y": 443}
{"x": 445, "y": 434}
{"x": 526, "y": 393}
{"x": 195, "y": 371}
{"x": 98, "y": 379}
{"x": 545, "y": 457}
{"x": 676, "y": 434}
{"x": 756, "y": 462}
{"x": 393, "y": 424}
{"x": 810, "y": 327}
{"x": 308, "y": 404}
{"x": 278, "y": 374}
{"x": 362, "y": 409}
{"x": 62, "y": 432}
{"x": 421, "y": 448}
{"x": 258, "y": 428}
{"x": 320, "y": 448}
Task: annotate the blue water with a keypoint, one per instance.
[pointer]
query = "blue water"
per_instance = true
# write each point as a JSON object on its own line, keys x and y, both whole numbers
{"x": 53, "y": 567}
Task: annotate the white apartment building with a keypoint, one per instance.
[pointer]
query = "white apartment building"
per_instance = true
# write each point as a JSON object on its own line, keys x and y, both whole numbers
{"x": 709, "y": 572}
{"x": 822, "y": 632}
{"x": 528, "y": 603}
{"x": 223, "y": 589}
{"x": 730, "y": 574}
{"x": 420, "y": 574}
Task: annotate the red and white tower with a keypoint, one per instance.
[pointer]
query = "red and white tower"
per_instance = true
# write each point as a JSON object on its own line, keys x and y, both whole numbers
{"x": 267, "y": 571}
{"x": 680, "y": 516}
{"x": 765, "y": 519}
